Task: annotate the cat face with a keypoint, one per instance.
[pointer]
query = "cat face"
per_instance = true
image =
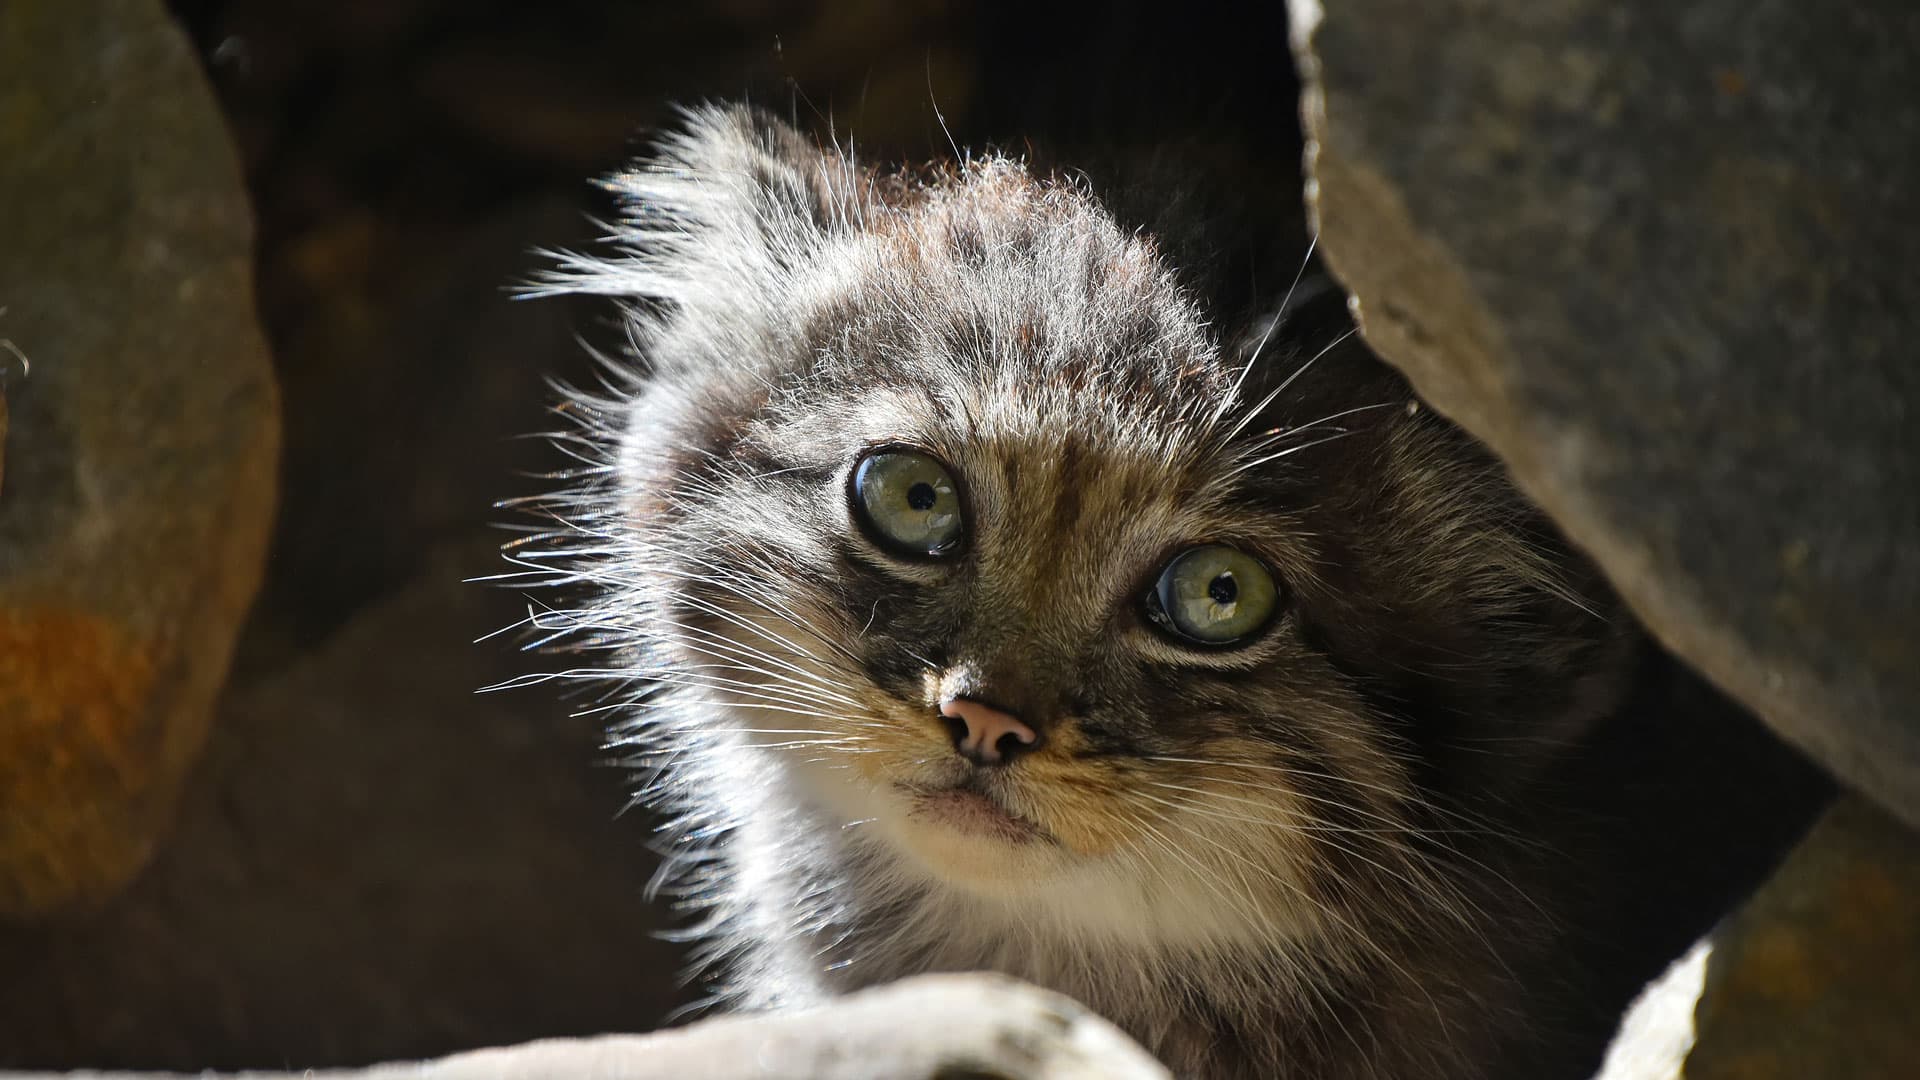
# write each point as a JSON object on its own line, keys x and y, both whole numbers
{"x": 942, "y": 499}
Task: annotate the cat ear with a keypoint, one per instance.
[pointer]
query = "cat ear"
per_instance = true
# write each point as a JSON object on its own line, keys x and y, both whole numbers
{"x": 735, "y": 203}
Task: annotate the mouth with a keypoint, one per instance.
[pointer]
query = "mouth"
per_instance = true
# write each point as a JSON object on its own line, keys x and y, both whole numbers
{"x": 971, "y": 812}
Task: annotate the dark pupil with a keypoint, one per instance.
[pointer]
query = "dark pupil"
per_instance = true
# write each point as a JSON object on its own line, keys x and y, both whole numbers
{"x": 921, "y": 496}
{"x": 1223, "y": 589}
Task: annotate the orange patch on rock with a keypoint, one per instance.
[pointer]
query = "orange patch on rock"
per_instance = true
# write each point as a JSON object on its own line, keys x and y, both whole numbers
{"x": 74, "y": 753}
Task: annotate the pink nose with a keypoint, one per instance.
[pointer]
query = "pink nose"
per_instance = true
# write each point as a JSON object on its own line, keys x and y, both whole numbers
{"x": 986, "y": 727}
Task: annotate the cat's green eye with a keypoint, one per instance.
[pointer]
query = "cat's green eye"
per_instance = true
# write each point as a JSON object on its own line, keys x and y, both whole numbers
{"x": 909, "y": 502}
{"x": 1214, "y": 595}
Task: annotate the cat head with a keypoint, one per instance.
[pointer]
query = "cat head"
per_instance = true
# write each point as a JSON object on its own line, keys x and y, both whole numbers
{"x": 935, "y": 496}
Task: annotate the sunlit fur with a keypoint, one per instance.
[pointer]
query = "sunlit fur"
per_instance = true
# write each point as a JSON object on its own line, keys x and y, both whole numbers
{"x": 1309, "y": 854}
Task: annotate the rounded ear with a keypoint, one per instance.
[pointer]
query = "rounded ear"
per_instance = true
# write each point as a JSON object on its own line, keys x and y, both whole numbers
{"x": 1447, "y": 599}
{"x": 1503, "y": 641}
{"x": 733, "y": 203}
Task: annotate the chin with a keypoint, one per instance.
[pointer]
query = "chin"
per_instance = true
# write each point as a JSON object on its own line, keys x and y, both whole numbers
{"x": 945, "y": 830}
{"x": 957, "y": 841}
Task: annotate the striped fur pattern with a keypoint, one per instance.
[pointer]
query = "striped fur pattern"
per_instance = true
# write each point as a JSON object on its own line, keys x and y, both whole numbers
{"x": 1309, "y": 855}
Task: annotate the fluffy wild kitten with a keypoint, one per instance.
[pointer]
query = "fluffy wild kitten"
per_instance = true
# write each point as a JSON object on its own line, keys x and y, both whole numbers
{"x": 977, "y": 597}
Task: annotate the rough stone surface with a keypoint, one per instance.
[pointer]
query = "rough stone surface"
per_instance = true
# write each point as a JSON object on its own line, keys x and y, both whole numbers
{"x": 939, "y": 1027}
{"x": 140, "y": 451}
{"x": 1818, "y": 975}
{"x": 1659, "y": 256}
{"x": 12, "y": 367}
{"x": 3, "y": 435}
{"x": 372, "y": 862}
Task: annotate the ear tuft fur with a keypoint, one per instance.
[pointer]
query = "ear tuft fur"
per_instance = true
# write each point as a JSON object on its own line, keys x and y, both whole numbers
{"x": 734, "y": 202}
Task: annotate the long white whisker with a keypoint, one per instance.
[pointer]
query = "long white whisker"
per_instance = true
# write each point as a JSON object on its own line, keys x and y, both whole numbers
{"x": 1261, "y": 405}
{"x": 1279, "y": 316}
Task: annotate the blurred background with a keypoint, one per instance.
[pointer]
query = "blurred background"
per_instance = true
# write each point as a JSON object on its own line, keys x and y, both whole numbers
{"x": 370, "y": 860}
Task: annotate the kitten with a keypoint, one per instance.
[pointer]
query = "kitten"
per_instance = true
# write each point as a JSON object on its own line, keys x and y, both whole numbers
{"x": 979, "y": 598}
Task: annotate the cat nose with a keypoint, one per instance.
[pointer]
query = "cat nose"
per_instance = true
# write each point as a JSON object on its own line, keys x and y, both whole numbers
{"x": 985, "y": 735}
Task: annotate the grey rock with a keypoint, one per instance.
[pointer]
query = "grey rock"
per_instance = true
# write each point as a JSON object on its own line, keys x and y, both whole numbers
{"x": 1659, "y": 257}
{"x": 140, "y": 450}
{"x": 937, "y": 1027}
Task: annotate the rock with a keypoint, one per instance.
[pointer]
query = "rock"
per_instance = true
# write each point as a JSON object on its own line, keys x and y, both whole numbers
{"x": 1817, "y": 976}
{"x": 372, "y": 862}
{"x": 140, "y": 454}
{"x": 936, "y": 1027}
{"x": 3, "y": 415}
{"x": 1659, "y": 257}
